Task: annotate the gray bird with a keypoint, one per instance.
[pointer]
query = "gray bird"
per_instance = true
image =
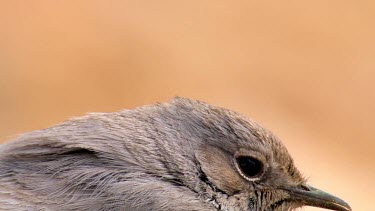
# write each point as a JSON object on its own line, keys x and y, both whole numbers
{"x": 181, "y": 155}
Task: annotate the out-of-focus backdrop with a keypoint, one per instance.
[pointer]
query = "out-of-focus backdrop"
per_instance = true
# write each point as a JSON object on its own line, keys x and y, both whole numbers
{"x": 305, "y": 70}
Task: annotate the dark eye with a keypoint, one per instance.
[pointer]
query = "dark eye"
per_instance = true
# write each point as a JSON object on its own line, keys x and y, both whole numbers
{"x": 249, "y": 166}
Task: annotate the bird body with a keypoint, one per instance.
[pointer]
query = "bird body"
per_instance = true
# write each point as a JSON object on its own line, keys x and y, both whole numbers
{"x": 181, "y": 155}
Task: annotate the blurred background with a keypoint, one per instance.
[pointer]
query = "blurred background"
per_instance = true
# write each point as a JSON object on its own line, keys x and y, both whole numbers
{"x": 305, "y": 70}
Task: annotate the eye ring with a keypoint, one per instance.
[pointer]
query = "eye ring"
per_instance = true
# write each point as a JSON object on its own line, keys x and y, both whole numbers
{"x": 249, "y": 167}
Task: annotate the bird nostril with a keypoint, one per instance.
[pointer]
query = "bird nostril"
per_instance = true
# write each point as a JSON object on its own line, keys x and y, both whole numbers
{"x": 305, "y": 187}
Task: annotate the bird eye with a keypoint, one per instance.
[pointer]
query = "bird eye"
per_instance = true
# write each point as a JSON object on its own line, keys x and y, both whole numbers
{"x": 249, "y": 167}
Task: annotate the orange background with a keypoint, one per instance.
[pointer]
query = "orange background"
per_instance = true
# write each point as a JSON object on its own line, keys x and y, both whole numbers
{"x": 306, "y": 70}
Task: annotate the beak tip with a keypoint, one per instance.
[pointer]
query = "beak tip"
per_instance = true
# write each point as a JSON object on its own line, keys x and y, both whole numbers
{"x": 345, "y": 206}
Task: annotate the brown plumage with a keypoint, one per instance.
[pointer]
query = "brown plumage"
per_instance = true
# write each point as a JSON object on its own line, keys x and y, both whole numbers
{"x": 181, "y": 155}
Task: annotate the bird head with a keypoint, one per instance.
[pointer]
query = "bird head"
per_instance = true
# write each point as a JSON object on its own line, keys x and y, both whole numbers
{"x": 243, "y": 165}
{"x": 181, "y": 155}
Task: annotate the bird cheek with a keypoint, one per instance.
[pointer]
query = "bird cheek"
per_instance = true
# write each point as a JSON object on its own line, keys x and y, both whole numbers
{"x": 220, "y": 171}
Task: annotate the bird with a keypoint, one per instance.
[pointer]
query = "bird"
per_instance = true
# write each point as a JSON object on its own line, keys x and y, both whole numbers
{"x": 180, "y": 155}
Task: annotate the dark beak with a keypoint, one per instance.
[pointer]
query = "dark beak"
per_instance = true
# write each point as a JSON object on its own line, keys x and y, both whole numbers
{"x": 311, "y": 196}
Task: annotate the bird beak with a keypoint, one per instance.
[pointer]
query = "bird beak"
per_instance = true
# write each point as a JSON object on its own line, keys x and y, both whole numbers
{"x": 311, "y": 196}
